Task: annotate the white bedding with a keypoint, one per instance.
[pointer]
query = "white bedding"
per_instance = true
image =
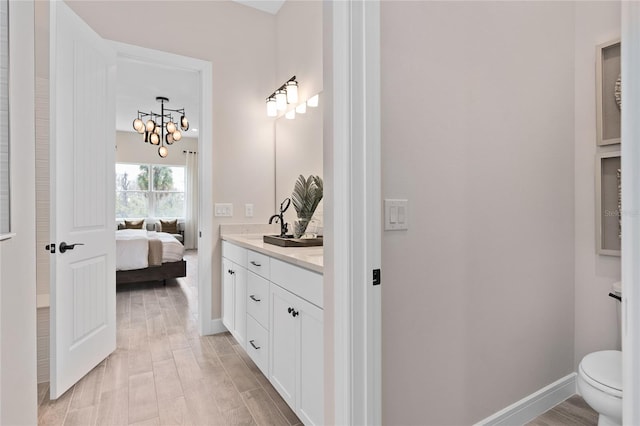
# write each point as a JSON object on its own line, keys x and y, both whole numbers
{"x": 132, "y": 248}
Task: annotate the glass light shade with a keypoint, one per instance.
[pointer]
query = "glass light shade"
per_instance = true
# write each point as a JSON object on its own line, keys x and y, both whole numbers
{"x": 281, "y": 100}
{"x": 138, "y": 125}
{"x": 177, "y": 135}
{"x": 184, "y": 123}
{"x": 163, "y": 151}
{"x": 302, "y": 108}
{"x": 150, "y": 126}
{"x": 154, "y": 139}
{"x": 292, "y": 92}
{"x": 171, "y": 127}
{"x": 290, "y": 115}
{"x": 272, "y": 109}
{"x": 313, "y": 101}
{"x": 169, "y": 139}
{"x": 157, "y": 130}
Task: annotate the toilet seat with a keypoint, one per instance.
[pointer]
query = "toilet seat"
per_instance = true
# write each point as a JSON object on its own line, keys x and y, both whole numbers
{"x": 603, "y": 371}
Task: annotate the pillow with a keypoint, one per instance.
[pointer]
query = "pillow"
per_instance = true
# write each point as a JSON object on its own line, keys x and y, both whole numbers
{"x": 133, "y": 224}
{"x": 169, "y": 226}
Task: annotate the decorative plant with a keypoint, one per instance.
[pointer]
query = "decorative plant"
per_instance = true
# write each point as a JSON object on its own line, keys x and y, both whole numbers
{"x": 307, "y": 194}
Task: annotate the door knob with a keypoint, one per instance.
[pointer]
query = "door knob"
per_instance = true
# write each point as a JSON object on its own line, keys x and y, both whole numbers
{"x": 64, "y": 246}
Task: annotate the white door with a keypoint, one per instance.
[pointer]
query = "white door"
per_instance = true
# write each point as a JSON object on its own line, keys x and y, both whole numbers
{"x": 83, "y": 312}
{"x": 282, "y": 343}
{"x": 310, "y": 401}
{"x": 227, "y": 294}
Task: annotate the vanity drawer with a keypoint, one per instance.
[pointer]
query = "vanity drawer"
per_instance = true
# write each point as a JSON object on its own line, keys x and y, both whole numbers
{"x": 258, "y": 263}
{"x": 257, "y": 344}
{"x": 258, "y": 298}
{"x": 299, "y": 281}
{"x": 234, "y": 253}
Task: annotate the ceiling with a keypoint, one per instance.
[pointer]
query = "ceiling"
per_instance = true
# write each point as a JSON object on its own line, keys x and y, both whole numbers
{"x": 269, "y": 6}
{"x": 139, "y": 83}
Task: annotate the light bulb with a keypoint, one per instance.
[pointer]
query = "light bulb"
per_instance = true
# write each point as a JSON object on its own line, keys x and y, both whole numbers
{"x": 281, "y": 100}
{"x": 138, "y": 125}
{"x": 184, "y": 123}
{"x": 163, "y": 151}
{"x": 154, "y": 139}
{"x": 292, "y": 92}
{"x": 150, "y": 126}
{"x": 291, "y": 114}
{"x": 171, "y": 127}
{"x": 312, "y": 101}
{"x": 302, "y": 108}
{"x": 272, "y": 109}
{"x": 177, "y": 135}
{"x": 169, "y": 139}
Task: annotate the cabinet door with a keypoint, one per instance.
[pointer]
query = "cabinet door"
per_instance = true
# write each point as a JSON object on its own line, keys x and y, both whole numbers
{"x": 310, "y": 391}
{"x": 240, "y": 305}
{"x": 227, "y": 294}
{"x": 282, "y": 343}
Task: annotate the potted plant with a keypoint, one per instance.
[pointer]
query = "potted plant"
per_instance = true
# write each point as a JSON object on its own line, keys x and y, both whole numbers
{"x": 307, "y": 194}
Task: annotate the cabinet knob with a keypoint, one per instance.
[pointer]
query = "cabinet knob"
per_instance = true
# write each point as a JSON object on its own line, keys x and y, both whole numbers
{"x": 230, "y": 271}
{"x": 295, "y": 313}
{"x": 290, "y": 310}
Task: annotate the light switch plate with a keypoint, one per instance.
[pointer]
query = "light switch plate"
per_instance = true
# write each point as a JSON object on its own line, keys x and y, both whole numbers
{"x": 248, "y": 210}
{"x": 223, "y": 209}
{"x": 396, "y": 215}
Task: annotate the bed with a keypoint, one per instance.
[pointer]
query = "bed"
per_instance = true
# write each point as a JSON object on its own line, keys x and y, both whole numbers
{"x": 143, "y": 255}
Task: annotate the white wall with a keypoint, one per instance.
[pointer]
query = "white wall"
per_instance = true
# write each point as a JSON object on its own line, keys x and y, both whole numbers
{"x": 596, "y": 321}
{"x": 478, "y": 134}
{"x": 240, "y": 43}
{"x": 18, "y": 404}
{"x": 130, "y": 148}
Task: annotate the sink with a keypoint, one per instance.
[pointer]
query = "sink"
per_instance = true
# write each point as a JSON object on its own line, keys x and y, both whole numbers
{"x": 289, "y": 241}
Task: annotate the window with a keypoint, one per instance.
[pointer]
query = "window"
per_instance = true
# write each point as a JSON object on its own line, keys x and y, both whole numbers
{"x": 149, "y": 190}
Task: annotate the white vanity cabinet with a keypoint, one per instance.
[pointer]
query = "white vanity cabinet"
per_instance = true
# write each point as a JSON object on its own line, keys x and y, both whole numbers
{"x": 284, "y": 325}
{"x": 234, "y": 291}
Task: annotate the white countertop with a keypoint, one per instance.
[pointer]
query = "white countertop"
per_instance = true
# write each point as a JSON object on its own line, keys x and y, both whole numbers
{"x": 306, "y": 257}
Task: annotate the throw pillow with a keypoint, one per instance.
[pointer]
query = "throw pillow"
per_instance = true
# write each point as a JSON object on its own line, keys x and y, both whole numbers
{"x": 133, "y": 224}
{"x": 169, "y": 226}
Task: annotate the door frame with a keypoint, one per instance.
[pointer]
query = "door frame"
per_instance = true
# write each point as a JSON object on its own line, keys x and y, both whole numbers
{"x": 353, "y": 211}
{"x": 205, "y": 152}
{"x": 630, "y": 267}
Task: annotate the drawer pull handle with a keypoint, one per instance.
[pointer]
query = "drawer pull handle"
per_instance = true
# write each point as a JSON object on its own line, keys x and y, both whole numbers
{"x": 253, "y": 344}
{"x": 254, "y": 263}
{"x": 252, "y": 297}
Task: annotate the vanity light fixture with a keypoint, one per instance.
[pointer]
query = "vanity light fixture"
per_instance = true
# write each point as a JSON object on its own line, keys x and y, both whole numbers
{"x": 154, "y": 128}
{"x": 302, "y": 108}
{"x": 285, "y": 94}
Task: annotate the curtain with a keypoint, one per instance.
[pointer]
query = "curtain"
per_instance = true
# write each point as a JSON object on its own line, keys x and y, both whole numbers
{"x": 191, "y": 218}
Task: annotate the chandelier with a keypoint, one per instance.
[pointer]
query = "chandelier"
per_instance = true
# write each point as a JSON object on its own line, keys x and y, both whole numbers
{"x": 160, "y": 129}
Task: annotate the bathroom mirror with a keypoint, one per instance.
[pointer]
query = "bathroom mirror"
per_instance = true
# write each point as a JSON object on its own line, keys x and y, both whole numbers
{"x": 298, "y": 152}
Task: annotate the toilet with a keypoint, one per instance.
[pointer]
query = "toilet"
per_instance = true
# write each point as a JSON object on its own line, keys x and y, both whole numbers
{"x": 600, "y": 382}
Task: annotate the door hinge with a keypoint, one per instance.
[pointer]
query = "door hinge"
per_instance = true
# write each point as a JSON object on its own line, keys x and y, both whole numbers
{"x": 51, "y": 248}
{"x": 376, "y": 277}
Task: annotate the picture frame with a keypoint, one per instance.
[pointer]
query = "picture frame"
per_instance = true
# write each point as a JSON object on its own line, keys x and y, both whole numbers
{"x": 608, "y": 102}
{"x": 608, "y": 203}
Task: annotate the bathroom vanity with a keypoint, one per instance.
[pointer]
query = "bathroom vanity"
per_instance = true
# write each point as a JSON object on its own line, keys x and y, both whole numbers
{"x": 272, "y": 304}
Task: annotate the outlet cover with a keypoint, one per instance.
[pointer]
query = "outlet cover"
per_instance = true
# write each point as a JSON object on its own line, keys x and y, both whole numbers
{"x": 248, "y": 210}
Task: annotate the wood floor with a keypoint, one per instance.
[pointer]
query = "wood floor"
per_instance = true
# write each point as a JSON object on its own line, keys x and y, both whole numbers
{"x": 572, "y": 412}
{"x": 163, "y": 373}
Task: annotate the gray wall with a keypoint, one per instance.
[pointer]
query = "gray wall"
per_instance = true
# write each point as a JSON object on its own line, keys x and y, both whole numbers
{"x": 596, "y": 320}
{"x": 477, "y": 132}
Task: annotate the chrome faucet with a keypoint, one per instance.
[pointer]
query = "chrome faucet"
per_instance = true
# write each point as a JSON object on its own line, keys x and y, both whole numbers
{"x": 279, "y": 218}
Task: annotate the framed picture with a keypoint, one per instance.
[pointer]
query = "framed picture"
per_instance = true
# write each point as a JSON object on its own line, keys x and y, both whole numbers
{"x": 608, "y": 203}
{"x": 608, "y": 93}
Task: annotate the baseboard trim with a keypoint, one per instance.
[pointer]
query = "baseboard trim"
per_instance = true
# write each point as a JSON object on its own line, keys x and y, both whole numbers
{"x": 216, "y": 326}
{"x": 530, "y": 407}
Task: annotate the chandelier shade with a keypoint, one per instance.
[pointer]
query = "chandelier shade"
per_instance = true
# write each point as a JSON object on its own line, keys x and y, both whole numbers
{"x": 161, "y": 129}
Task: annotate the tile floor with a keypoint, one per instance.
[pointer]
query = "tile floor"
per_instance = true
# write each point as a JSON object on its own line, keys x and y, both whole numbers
{"x": 572, "y": 412}
{"x": 163, "y": 373}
